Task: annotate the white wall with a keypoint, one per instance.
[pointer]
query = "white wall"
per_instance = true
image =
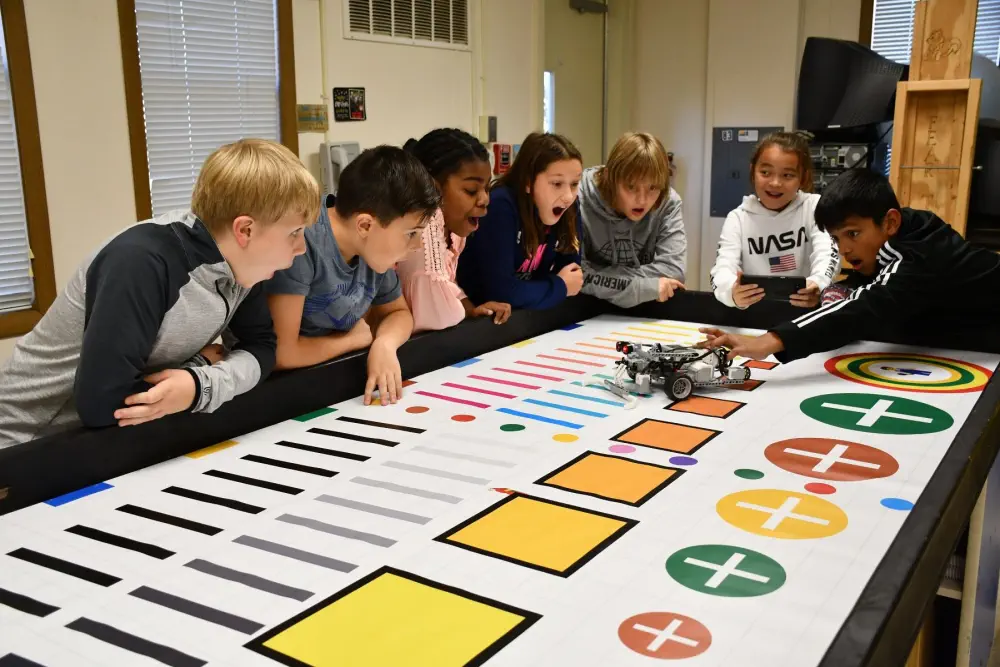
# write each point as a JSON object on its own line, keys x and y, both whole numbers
{"x": 715, "y": 63}
{"x": 82, "y": 127}
{"x": 574, "y": 45}
{"x": 411, "y": 90}
{"x": 512, "y": 75}
{"x": 669, "y": 100}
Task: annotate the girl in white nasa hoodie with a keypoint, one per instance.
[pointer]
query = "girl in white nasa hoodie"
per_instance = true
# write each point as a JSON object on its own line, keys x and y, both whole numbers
{"x": 773, "y": 231}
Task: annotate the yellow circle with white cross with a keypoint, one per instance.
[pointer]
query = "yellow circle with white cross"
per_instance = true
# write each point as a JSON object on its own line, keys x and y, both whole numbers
{"x": 787, "y": 515}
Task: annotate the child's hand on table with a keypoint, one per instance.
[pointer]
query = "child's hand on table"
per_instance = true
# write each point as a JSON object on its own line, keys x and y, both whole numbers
{"x": 751, "y": 347}
{"x": 172, "y": 391}
{"x": 499, "y": 311}
{"x": 667, "y": 288}
{"x": 384, "y": 374}
{"x": 572, "y": 275}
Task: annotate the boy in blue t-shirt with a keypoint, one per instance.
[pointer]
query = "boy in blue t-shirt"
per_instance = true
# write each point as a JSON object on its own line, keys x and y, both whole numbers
{"x": 343, "y": 294}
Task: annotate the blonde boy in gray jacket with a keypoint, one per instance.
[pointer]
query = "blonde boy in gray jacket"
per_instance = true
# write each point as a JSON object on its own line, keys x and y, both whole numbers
{"x": 634, "y": 245}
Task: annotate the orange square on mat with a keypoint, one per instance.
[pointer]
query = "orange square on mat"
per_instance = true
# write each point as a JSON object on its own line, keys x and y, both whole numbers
{"x": 666, "y": 435}
{"x": 762, "y": 365}
{"x": 749, "y": 385}
{"x": 612, "y": 478}
{"x": 707, "y": 407}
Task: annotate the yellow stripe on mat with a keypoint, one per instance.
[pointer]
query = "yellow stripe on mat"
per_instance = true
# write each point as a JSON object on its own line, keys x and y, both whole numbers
{"x": 212, "y": 449}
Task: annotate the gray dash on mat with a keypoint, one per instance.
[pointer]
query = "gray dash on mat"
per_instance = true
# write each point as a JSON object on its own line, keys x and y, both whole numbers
{"x": 249, "y": 580}
{"x": 408, "y": 490}
{"x": 297, "y": 554}
{"x": 339, "y": 531}
{"x": 374, "y": 509}
{"x": 444, "y": 474}
{"x": 464, "y": 457}
{"x": 210, "y": 614}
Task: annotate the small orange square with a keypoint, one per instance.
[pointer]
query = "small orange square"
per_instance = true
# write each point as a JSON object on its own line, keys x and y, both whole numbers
{"x": 749, "y": 385}
{"x": 707, "y": 407}
{"x": 762, "y": 365}
{"x": 667, "y": 436}
{"x": 612, "y": 478}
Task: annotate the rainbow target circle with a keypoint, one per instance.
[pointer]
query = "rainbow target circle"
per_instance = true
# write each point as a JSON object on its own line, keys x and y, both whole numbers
{"x": 910, "y": 372}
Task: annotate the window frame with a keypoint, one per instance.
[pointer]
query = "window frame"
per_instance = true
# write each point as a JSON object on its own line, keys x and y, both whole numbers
{"x": 29, "y": 147}
{"x": 288, "y": 126}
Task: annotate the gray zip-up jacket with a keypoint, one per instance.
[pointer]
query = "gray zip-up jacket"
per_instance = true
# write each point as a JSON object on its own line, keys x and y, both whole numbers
{"x": 624, "y": 260}
{"x": 150, "y": 299}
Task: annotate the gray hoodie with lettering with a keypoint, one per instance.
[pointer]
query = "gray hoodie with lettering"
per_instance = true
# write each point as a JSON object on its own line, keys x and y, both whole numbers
{"x": 624, "y": 260}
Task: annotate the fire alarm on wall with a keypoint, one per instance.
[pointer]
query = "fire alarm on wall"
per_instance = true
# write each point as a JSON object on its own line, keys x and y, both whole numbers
{"x": 503, "y": 155}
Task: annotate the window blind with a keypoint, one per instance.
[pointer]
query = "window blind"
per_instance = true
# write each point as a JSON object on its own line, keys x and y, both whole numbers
{"x": 892, "y": 29}
{"x": 209, "y": 77}
{"x": 17, "y": 290}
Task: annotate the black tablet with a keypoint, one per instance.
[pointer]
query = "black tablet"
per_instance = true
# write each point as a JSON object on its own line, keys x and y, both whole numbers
{"x": 776, "y": 288}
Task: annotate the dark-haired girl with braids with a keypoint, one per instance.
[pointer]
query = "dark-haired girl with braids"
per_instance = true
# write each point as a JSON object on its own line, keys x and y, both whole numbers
{"x": 460, "y": 166}
{"x": 527, "y": 252}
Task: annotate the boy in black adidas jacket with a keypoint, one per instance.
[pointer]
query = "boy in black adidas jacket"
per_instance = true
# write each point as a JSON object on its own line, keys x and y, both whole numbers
{"x": 918, "y": 274}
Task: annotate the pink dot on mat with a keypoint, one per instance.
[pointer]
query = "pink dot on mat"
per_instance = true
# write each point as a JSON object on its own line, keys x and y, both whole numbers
{"x": 417, "y": 409}
{"x": 819, "y": 487}
{"x": 462, "y": 418}
{"x": 621, "y": 449}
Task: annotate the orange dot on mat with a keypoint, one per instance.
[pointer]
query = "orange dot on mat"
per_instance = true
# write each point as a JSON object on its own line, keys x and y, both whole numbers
{"x": 565, "y": 437}
{"x": 417, "y": 409}
{"x": 462, "y": 418}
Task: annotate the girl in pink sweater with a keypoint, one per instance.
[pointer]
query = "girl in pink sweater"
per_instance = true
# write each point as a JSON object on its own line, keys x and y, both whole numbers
{"x": 460, "y": 166}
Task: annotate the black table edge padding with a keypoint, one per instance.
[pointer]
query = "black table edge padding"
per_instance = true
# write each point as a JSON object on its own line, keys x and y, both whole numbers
{"x": 886, "y": 619}
{"x": 879, "y": 631}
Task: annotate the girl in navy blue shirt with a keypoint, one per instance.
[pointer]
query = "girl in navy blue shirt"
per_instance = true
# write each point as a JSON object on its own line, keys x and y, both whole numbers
{"x": 526, "y": 251}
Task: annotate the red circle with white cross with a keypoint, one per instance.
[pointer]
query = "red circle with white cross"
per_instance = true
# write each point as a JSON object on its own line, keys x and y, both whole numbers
{"x": 836, "y": 460}
{"x": 664, "y": 635}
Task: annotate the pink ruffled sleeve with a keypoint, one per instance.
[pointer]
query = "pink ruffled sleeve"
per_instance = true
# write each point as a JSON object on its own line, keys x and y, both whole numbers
{"x": 428, "y": 280}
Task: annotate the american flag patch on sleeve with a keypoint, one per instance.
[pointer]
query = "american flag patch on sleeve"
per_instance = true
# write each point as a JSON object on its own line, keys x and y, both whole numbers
{"x": 782, "y": 263}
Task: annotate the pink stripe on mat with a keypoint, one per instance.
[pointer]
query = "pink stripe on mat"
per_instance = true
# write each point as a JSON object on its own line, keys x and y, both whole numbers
{"x": 530, "y": 375}
{"x": 506, "y": 382}
{"x": 452, "y": 399}
{"x": 569, "y": 361}
{"x": 551, "y": 368}
{"x": 599, "y": 347}
{"x": 589, "y": 354}
{"x": 477, "y": 390}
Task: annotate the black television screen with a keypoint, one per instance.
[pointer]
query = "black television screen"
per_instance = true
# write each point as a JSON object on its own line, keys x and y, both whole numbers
{"x": 843, "y": 84}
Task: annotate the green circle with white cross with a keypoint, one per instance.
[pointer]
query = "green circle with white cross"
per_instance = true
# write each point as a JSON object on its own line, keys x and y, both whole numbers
{"x": 877, "y": 413}
{"x": 720, "y": 569}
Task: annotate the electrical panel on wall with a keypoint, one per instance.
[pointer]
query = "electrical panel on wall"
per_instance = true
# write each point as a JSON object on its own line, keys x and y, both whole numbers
{"x": 333, "y": 157}
{"x": 732, "y": 148}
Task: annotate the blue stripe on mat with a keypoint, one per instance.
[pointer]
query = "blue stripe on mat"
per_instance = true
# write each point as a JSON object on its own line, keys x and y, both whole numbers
{"x": 467, "y": 362}
{"x": 79, "y": 493}
{"x": 541, "y": 418}
{"x": 584, "y": 397}
{"x": 567, "y": 408}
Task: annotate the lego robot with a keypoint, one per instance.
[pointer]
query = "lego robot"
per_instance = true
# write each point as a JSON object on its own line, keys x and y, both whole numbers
{"x": 676, "y": 368}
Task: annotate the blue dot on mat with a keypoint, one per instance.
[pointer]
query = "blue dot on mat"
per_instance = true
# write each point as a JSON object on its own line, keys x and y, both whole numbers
{"x": 897, "y": 504}
{"x": 683, "y": 460}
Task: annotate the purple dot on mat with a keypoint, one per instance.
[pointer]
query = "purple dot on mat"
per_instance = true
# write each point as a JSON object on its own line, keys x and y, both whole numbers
{"x": 683, "y": 460}
{"x": 621, "y": 449}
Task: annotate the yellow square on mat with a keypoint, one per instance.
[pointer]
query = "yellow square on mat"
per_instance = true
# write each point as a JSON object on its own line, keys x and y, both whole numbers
{"x": 541, "y": 534}
{"x": 612, "y": 477}
{"x": 392, "y": 618}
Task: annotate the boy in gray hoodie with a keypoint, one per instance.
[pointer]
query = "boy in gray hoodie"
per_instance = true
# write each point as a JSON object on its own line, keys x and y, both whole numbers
{"x": 634, "y": 245}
